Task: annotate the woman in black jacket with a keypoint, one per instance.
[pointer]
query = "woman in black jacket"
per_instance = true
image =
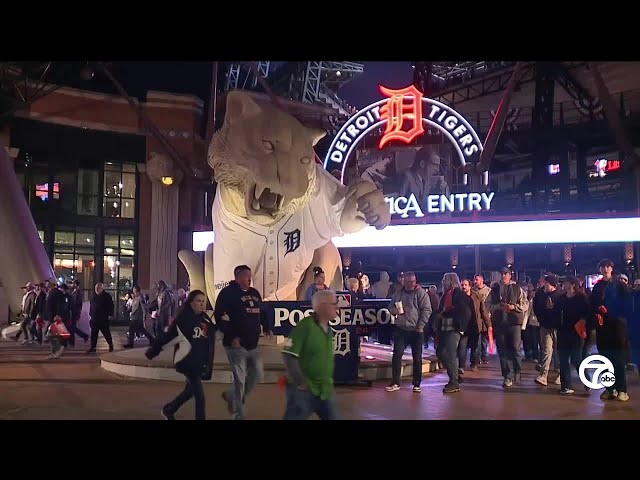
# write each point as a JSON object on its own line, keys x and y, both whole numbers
{"x": 574, "y": 309}
{"x": 193, "y": 352}
{"x": 452, "y": 323}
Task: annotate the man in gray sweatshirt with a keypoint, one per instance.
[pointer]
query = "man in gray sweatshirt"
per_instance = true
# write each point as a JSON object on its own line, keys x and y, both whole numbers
{"x": 411, "y": 308}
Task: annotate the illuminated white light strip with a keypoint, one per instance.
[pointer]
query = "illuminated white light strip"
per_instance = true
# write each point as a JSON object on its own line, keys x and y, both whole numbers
{"x": 496, "y": 233}
{"x": 602, "y": 230}
{"x": 201, "y": 241}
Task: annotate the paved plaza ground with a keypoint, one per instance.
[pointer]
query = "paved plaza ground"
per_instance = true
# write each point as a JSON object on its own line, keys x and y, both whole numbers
{"x": 75, "y": 387}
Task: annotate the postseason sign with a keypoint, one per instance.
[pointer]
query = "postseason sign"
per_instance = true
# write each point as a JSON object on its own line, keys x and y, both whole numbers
{"x": 352, "y": 322}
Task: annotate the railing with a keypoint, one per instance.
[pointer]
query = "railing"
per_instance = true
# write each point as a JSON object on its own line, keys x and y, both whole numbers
{"x": 564, "y": 113}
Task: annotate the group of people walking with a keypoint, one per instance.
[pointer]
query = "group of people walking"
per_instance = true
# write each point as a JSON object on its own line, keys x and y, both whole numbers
{"x": 240, "y": 318}
{"x": 558, "y": 320}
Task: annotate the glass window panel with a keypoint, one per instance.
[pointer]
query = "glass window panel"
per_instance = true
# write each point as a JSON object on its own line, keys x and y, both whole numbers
{"x": 85, "y": 271}
{"x": 128, "y": 185}
{"x": 39, "y": 189}
{"x": 112, "y": 184}
{"x": 85, "y": 239}
{"x": 125, "y": 272}
{"x": 128, "y": 208}
{"x": 64, "y": 266}
{"x": 87, "y": 205}
{"x": 129, "y": 167}
{"x": 113, "y": 166}
{"x": 110, "y": 276}
{"x": 64, "y": 189}
{"x": 111, "y": 240}
{"x": 126, "y": 240}
{"x": 88, "y": 182}
{"x": 64, "y": 238}
{"x": 111, "y": 207}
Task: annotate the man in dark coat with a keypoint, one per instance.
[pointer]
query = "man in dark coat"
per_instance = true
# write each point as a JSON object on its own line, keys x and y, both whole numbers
{"x": 100, "y": 311}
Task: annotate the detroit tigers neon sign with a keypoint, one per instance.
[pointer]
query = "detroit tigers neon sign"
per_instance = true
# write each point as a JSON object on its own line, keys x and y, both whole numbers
{"x": 402, "y": 106}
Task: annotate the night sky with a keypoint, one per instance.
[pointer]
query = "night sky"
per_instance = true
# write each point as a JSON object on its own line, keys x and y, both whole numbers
{"x": 195, "y": 78}
{"x": 363, "y": 90}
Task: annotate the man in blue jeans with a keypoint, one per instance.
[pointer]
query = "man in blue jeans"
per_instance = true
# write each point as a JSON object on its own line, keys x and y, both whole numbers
{"x": 412, "y": 309}
{"x": 239, "y": 316}
{"x": 309, "y": 358}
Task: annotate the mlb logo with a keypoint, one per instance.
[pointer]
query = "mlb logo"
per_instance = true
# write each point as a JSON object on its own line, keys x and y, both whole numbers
{"x": 344, "y": 300}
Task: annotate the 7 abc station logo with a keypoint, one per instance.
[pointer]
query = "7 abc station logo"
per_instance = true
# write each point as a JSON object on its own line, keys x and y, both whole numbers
{"x": 602, "y": 376}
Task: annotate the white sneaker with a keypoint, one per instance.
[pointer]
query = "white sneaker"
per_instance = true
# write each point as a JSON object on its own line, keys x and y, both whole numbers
{"x": 542, "y": 380}
{"x": 623, "y": 397}
{"x": 59, "y": 353}
{"x": 557, "y": 380}
{"x": 51, "y": 357}
{"x": 394, "y": 387}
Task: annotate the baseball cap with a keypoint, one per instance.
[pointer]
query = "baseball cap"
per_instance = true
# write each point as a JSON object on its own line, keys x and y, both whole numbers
{"x": 28, "y": 285}
{"x": 551, "y": 280}
{"x": 505, "y": 270}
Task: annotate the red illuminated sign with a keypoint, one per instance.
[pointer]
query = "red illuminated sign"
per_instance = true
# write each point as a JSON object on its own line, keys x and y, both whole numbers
{"x": 403, "y": 104}
{"x": 604, "y": 166}
{"x": 613, "y": 165}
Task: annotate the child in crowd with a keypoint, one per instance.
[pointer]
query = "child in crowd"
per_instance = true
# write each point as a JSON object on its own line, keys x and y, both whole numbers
{"x": 58, "y": 335}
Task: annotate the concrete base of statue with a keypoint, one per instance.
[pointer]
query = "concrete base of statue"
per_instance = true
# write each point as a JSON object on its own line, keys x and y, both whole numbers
{"x": 375, "y": 363}
{"x": 10, "y": 331}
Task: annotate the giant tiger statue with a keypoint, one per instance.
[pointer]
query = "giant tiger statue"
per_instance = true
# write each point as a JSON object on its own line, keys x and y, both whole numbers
{"x": 276, "y": 210}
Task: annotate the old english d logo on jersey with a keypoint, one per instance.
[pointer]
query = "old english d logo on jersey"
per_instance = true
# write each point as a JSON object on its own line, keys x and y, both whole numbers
{"x": 201, "y": 330}
{"x": 292, "y": 241}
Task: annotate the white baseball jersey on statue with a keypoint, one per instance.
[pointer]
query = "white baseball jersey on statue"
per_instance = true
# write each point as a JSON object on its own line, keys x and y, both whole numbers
{"x": 279, "y": 254}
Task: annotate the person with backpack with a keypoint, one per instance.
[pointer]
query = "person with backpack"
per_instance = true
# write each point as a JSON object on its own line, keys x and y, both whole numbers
{"x": 193, "y": 352}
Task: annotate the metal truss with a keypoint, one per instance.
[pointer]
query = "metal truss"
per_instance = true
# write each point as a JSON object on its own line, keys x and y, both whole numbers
{"x": 477, "y": 79}
{"x": 479, "y": 87}
{"x": 21, "y": 84}
{"x": 572, "y": 86}
{"x": 330, "y": 75}
{"x": 240, "y": 76}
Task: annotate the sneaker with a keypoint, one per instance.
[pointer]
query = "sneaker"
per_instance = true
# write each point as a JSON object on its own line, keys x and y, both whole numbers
{"x": 607, "y": 395}
{"x": 451, "y": 388}
{"x": 508, "y": 383}
{"x": 484, "y": 361}
{"x": 539, "y": 367}
{"x": 461, "y": 371}
{"x": 111, "y": 348}
{"x": 51, "y": 357}
{"x": 59, "y": 353}
{"x": 417, "y": 389}
{"x": 394, "y": 387}
{"x": 474, "y": 368}
{"x": 566, "y": 391}
{"x": 166, "y": 414}
{"x": 623, "y": 397}
{"x": 557, "y": 380}
{"x": 23, "y": 342}
{"x": 226, "y": 396}
{"x": 542, "y": 380}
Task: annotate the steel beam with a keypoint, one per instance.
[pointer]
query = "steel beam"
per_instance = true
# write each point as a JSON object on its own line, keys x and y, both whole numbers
{"x": 482, "y": 86}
